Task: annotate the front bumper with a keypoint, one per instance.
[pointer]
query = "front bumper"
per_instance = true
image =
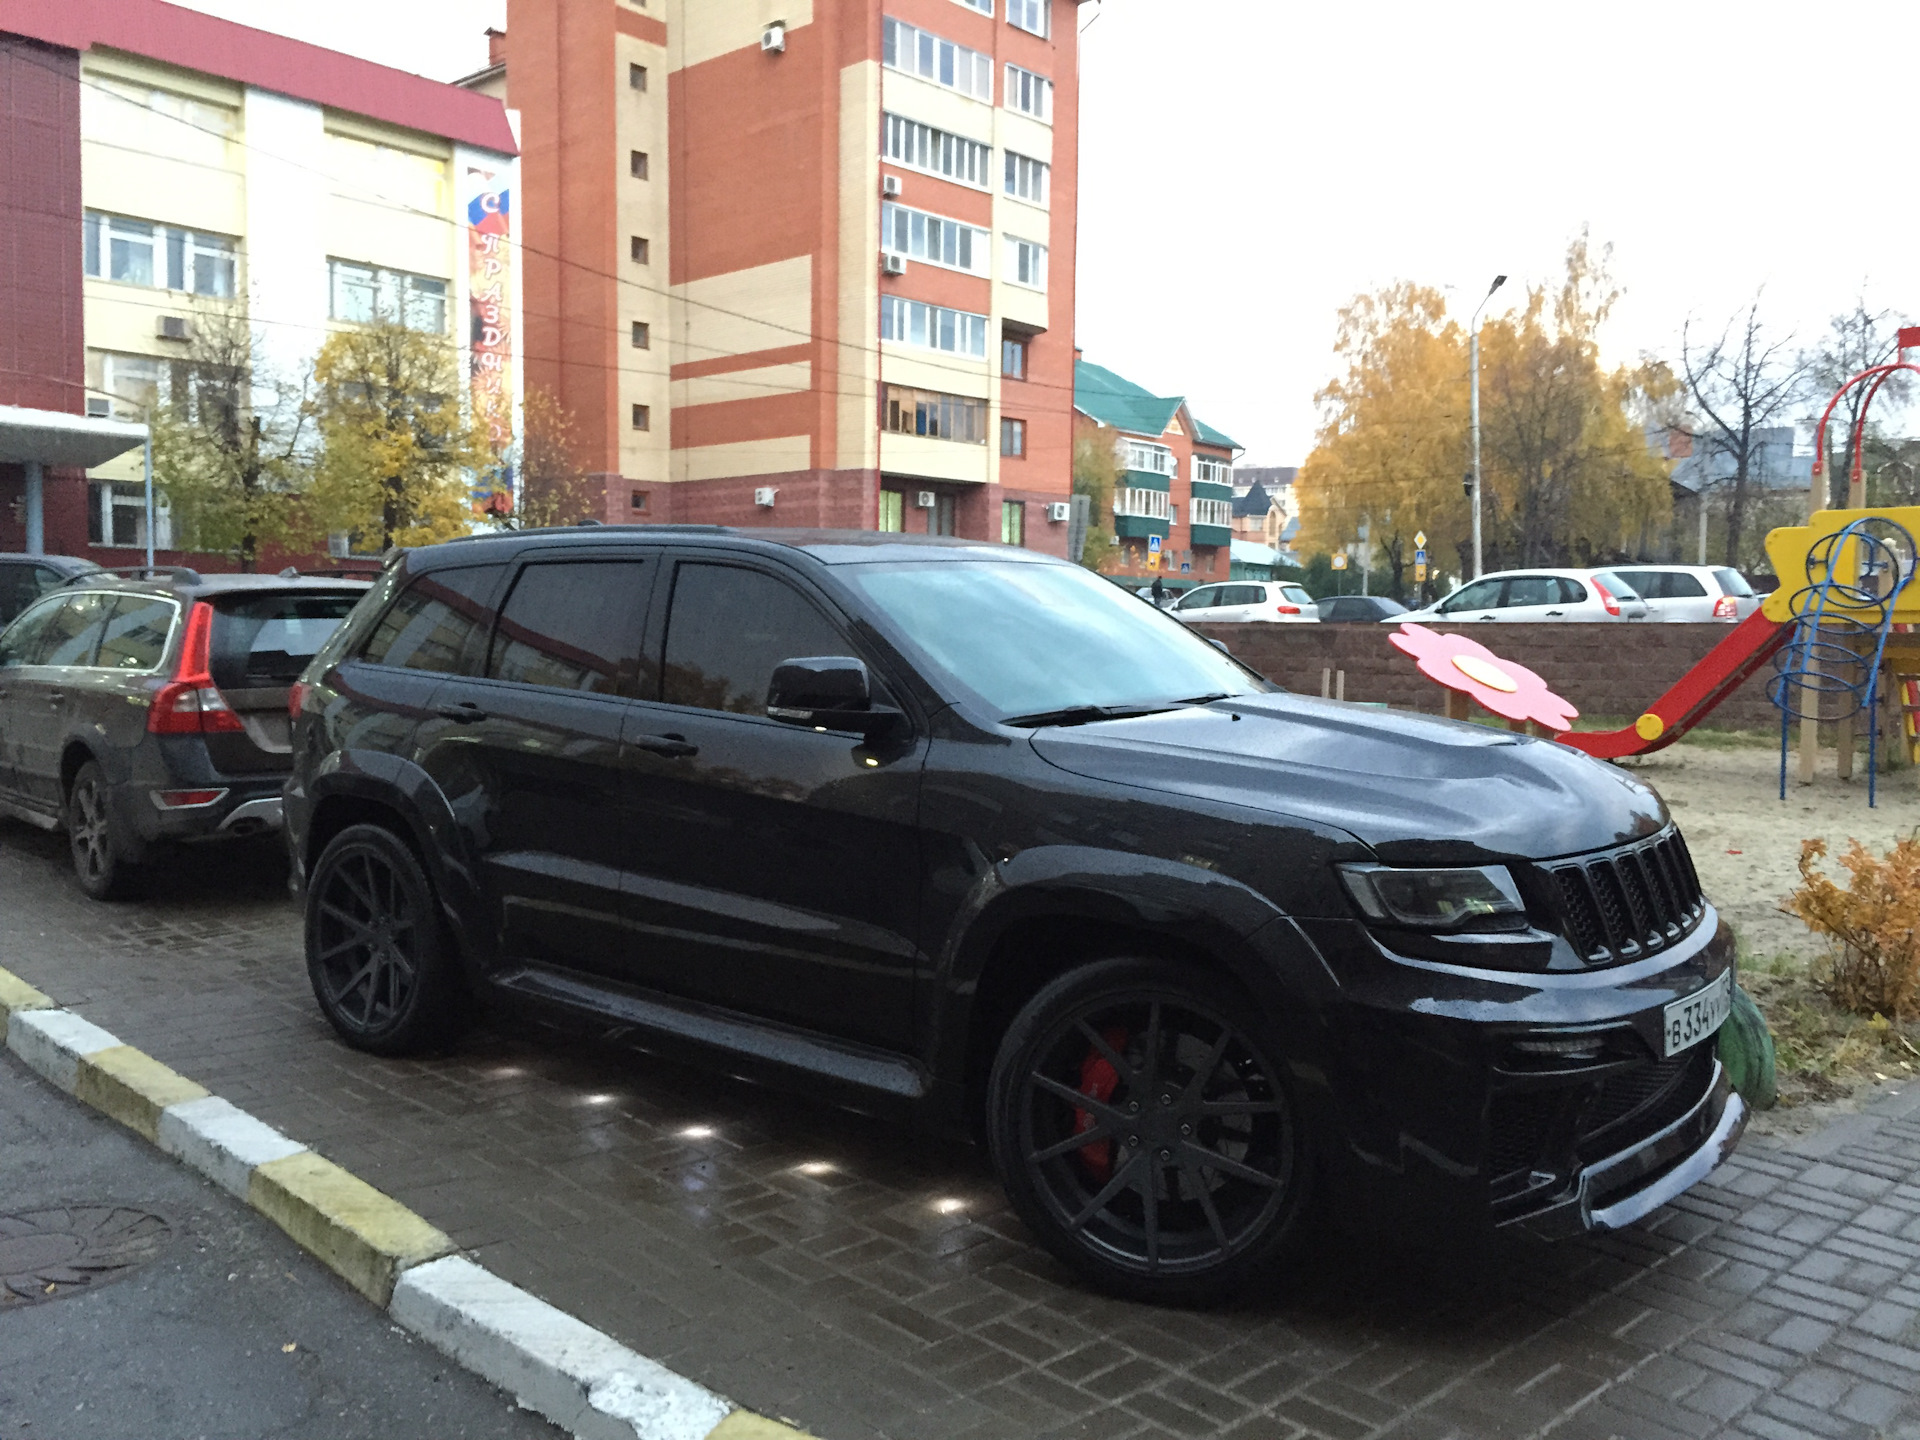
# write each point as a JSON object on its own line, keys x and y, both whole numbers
{"x": 1613, "y": 1193}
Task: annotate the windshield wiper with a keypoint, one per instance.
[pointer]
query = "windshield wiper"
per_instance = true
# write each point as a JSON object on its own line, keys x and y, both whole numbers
{"x": 1208, "y": 699}
{"x": 1083, "y": 714}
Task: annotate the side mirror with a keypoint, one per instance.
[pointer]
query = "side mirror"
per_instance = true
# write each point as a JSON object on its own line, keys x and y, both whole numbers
{"x": 827, "y": 692}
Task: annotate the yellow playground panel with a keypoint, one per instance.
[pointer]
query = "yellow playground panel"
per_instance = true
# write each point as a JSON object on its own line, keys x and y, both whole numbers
{"x": 1801, "y": 557}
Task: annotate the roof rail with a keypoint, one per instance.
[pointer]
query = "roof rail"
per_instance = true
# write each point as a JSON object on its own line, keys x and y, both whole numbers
{"x": 139, "y": 572}
{"x": 374, "y": 568}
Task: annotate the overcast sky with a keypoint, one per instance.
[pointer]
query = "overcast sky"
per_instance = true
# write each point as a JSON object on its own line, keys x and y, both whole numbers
{"x": 1268, "y": 159}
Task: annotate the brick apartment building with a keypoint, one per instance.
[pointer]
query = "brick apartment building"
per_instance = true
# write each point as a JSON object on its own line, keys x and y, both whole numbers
{"x": 804, "y": 261}
{"x": 163, "y": 165}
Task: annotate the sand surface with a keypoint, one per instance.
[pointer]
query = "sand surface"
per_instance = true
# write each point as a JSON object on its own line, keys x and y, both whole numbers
{"x": 1746, "y": 841}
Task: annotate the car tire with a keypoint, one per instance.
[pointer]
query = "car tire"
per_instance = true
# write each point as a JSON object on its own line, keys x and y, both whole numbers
{"x": 93, "y": 840}
{"x": 1146, "y": 1130}
{"x": 379, "y": 957}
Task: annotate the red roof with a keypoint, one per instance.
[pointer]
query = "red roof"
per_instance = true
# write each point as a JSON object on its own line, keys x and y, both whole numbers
{"x": 194, "y": 41}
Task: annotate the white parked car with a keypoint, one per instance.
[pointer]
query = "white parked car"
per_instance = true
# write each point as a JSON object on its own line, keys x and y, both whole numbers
{"x": 1698, "y": 593}
{"x": 1240, "y": 601}
{"x": 1518, "y": 595}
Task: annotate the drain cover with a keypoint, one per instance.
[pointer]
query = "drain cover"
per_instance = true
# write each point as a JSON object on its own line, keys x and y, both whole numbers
{"x": 45, "y": 1254}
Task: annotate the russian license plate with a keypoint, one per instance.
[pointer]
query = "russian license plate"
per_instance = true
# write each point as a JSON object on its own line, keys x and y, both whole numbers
{"x": 1691, "y": 1020}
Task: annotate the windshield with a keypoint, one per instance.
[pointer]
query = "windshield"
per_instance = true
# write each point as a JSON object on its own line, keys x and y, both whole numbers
{"x": 1032, "y": 638}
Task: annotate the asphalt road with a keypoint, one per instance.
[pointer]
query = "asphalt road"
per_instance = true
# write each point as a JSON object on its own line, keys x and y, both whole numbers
{"x": 228, "y": 1329}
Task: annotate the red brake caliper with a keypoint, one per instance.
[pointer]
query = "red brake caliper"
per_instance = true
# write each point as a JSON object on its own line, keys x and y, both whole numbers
{"x": 1098, "y": 1080}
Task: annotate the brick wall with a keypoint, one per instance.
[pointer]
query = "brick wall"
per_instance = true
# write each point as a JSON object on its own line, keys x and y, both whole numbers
{"x": 42, "y": 352}
{"x": 1608, "y": 670}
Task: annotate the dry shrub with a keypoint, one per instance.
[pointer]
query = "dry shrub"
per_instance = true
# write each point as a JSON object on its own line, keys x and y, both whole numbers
{"x": 1872, "y": 926}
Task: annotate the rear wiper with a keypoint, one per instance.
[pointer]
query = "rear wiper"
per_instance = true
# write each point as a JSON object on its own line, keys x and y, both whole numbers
{"x": 1082, "y": 714}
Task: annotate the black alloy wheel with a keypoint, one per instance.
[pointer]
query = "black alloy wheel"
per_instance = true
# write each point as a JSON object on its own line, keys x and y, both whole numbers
{"x": 1144, "y": 1130}
{"x": 377, "y": 954}
{"x": 90, "y": 836}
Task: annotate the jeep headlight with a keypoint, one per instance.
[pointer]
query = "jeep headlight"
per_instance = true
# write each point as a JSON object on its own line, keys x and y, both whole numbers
{"x": 1450, "y": 899}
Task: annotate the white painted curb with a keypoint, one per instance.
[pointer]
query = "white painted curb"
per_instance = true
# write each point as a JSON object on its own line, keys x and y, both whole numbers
{"x": 52, "y": 1042}
{"x": 221, "y": 1142}
{"x": 571, "y": 1373}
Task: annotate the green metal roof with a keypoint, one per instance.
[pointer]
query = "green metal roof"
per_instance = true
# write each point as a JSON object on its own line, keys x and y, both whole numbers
{"x": 1120, "y": 403}
{"x": 1207, "y": 435}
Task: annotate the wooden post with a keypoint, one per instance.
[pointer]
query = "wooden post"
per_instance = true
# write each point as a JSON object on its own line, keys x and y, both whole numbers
{"x": 1459, "y": 707}
{"x": 1340, "y": 685}
{"x": 1326, "y": 682}
{"x": 1843, "y": 728}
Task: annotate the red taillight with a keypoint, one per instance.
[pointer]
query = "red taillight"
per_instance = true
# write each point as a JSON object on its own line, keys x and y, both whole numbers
{"x": 1606, "y": 598}
{"x": 190, "y": 703}
{"x": 297, "y": 698}
{"x": 186, "y": 799}
{"x": 1288, "y": 609}
{"x": 1726, "y": 608}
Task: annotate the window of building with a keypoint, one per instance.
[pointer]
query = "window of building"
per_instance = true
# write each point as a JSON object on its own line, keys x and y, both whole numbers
{"x": 550, "y": 634}
{"x": 637, "y": 77}
{"x": 1029, "y": 15}
{"x": 920, "y": 52}
{"x": 938, "y": 416}
{"x": 1145, "y": 455}
{"x": 921, "y": 147}
{"x": 1212, "y": 472}
{"x": 1141, "y": 503}
{"x": 934, "y": 239}
{"x": 1029, "y": 93}
{"x": 429, "y": 625}
{"x": 362, "y": 294}
{"x": 117, "y": 515}
{"x": 642, "y": 335}
{"x": 637, "y": 164}
{"x": 727, "y": 630}
{"x": 137, "y": 252}
{"x": 1013, "y": 357}
{"x": 638, "y": 247}
{"x": 1013, "y": 522}
{"x": 893, "y": 512}
{"x": 934, "y": 327}
{"x": 1026, "y": 263}
{"x": 639, "y": 502}
{"x": 1210, "y": 512}
{"x": 1013, "y": 438}
{"x": 985, "y": 7}
{"x": 1027, "y": 178}
{"x": 642, "y": 417}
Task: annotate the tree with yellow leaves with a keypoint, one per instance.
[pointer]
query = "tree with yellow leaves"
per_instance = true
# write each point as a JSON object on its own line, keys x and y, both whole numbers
{"x": 398, "y": 437}
{"x": 1569, "y": 477}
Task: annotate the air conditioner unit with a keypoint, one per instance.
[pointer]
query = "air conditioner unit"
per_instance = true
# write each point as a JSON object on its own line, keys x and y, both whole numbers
{"x": 763, "y": 495}
{"x": 924, "y": 500}
{"x": 893, "y": 263}
{"x": 172, "y": 327}
{"x": 1059, "y": 510}
{"x": 773, "y": 39}
{"x": 98, "y": 409}
{"x": 889, "y": 185}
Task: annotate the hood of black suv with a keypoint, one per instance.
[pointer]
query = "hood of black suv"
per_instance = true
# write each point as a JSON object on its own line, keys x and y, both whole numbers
{"x": 1416, "y": 790}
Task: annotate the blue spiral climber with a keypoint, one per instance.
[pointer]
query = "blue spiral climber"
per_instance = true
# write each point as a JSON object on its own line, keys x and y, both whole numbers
{"x": 1840, "y": 632}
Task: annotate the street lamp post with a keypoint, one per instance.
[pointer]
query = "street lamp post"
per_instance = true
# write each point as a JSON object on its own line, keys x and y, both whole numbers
{"x": 1473, "y": 345}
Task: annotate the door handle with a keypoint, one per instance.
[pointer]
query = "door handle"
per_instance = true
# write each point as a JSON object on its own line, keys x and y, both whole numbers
{"x": 465, "y": 713}
{"x": 1556, "y": 614}
{"x": 57, "y": 699}
{"x": 674, "y": 747}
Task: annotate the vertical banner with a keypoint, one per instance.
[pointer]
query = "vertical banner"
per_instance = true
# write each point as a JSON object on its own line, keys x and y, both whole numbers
{"x": 490, "y": 300}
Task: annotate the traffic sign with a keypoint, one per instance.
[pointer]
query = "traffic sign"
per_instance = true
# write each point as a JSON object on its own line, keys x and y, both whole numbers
{"x": 1339, "y": 562}
{"x": 1420, "y": 557}
{"x": 1153, "y": 559}
{"x": 1153, "y": 544}
{"x": 1419, "y": 571}
{"x": 1419, "y": 539}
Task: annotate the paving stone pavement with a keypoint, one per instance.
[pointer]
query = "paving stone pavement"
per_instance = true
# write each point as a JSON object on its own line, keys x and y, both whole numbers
{"x": 819, "y": 1266}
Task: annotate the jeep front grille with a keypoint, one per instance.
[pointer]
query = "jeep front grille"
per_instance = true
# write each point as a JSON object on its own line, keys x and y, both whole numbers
{"x": 1624, "y": 903}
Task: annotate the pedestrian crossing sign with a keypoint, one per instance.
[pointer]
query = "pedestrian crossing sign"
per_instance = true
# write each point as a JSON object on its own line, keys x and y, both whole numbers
{"x": 1153, "y": 544}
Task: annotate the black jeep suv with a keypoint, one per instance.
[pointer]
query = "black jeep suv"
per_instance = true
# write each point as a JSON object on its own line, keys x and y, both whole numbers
{"x": 963, "y": 833}
{"x": 150, "y": 710}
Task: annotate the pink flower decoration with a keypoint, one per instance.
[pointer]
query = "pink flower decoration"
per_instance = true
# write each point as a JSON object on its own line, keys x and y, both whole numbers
{"x": 1508, "y": 690}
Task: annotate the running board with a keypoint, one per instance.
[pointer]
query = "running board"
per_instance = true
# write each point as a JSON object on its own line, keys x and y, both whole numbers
{"x": 31, "y": 817}
{"x": 776, "y": 1050}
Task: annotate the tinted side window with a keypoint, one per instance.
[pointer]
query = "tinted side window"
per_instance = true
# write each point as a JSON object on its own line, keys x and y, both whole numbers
{"x": 1572, "y": 592}
{"x": 136, "y": 633}
{"x": 1644, "y": 582}
{"x": 20, "y": 586}
{"x": 429, "y": 625}
{"x": 1678, "y": 585}
{"x": 1481, "y": 595}
{"x": 21, "y": 639}
{"x": 727, "y": 630}
{"x": 72, "y": 634}
{"x": 1732, "y": 582}
{"x": 572, "y": 625}
{"x": 1200, "y": 599}
{"x": 1532, "y": 590}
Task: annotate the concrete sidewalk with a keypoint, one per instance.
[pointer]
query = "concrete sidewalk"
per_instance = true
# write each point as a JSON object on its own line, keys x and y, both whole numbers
{"x": 815, "y": 1265}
